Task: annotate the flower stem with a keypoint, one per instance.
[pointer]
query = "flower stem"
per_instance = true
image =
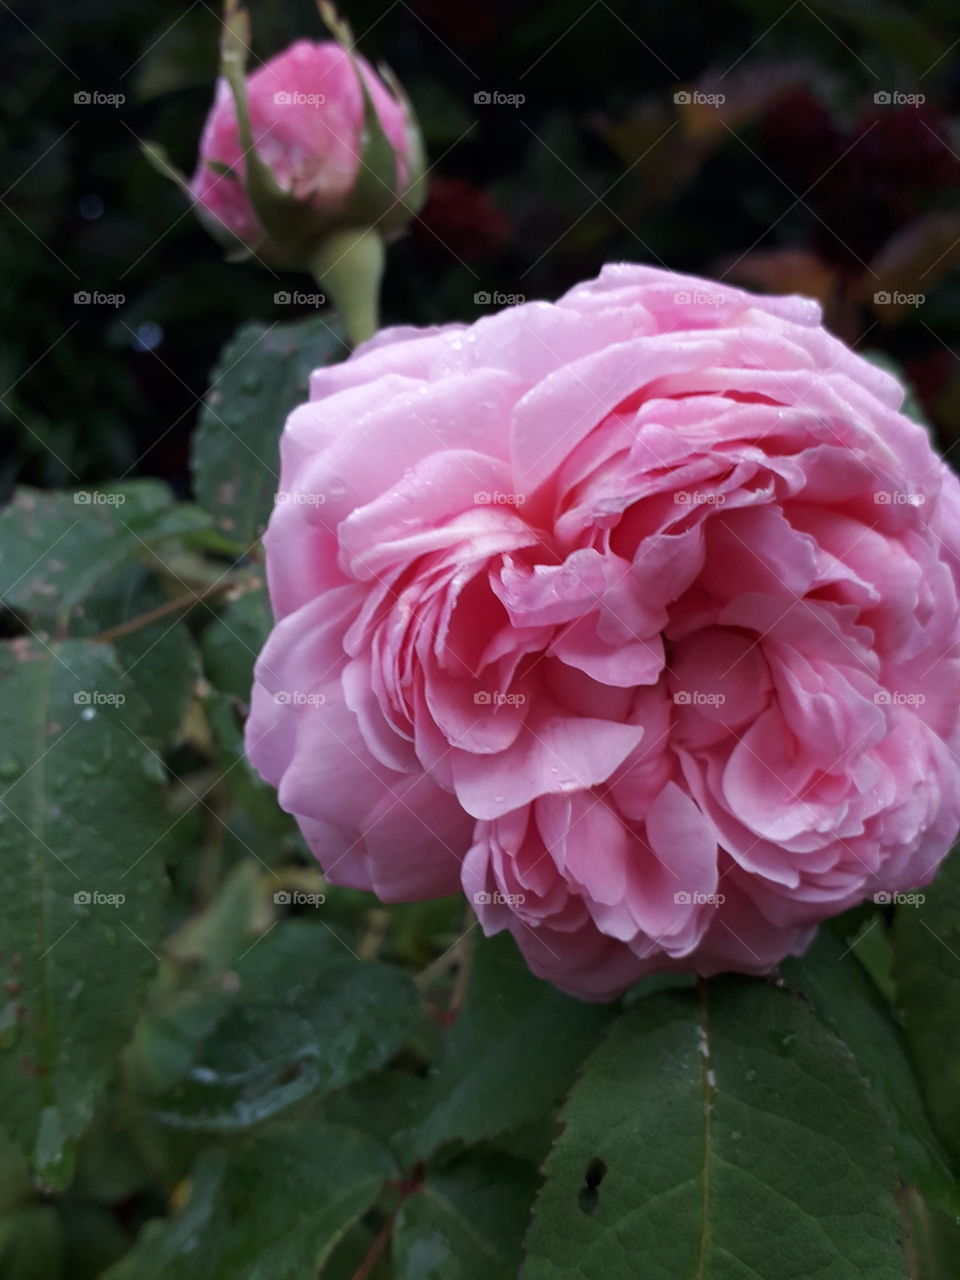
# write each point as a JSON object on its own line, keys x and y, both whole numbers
{"x": 349, "y": 266}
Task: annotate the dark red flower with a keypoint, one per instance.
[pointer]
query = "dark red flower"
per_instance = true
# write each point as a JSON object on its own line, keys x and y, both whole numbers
{"x": 462, "y": 221}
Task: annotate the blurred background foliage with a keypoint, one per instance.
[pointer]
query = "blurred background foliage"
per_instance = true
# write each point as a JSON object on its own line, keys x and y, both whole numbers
{"x": 800, "y": 180}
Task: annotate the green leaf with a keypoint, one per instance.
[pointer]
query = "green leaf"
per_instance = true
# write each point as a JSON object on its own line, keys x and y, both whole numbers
{"x": 361, "y": 1246}
{"x": 262, "y": 375}
{"x": 31, "y": 1244}
{"x": 93, "y": 1239}
{"x": 253, "y": 824}
{"x": 309, "y": 1017}
{"x": 15, "y": 1184}
{"x": 57, "y": 548}
{"x": 494, "y": 1073}
{"x": 82, "y": 820}
{"x": 847, "y": 1001}
{"x": 110, "y": 1164}
{"x": 466, "y": 1221}
{"x": 872, "y": 946}
{"x": 727, "y": 1136}
{"x": 386, "y": 1105}
{"x": 196, "y": 982}
{"x": 532, "y": 1141}
{"x": 271, "y": 1210}
{"x": 160, "y": 659}
{"x": 927, "y": 971}
{"x": 232, "y": 642}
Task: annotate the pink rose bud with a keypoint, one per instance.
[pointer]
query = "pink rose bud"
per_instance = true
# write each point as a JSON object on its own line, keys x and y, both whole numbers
{"x": 635, "y": 615}
{"x": 310, "y": 163}
{"x": 306, "y": 117}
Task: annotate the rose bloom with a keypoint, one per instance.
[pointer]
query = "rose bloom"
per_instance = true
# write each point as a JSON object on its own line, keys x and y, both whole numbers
{"x": 306, "y": 118}
{"x": 634, "y": 614}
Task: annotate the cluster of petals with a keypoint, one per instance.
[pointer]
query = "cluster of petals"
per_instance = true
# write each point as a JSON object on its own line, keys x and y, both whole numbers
{"x": 635, "y": 615}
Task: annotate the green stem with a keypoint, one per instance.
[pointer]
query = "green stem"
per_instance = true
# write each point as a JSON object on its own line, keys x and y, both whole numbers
{"x": 348, "y": 265}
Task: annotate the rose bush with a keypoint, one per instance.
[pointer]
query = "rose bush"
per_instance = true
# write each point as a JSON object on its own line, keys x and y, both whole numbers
{"x": 636, "y": 615}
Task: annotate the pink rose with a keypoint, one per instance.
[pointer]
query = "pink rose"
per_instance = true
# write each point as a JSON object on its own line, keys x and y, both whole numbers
{"x": 636, "y": 615}
{"x": 306, "y": 114}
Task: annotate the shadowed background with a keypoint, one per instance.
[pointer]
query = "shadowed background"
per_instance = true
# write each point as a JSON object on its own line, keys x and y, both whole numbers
{"x": 798, "y": 180}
